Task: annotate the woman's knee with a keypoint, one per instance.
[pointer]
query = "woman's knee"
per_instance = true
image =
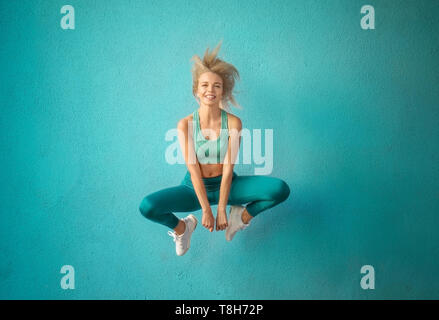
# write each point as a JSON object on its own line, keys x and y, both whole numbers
{"x": 282, "y": 191}
{"x": 147, "y": 208}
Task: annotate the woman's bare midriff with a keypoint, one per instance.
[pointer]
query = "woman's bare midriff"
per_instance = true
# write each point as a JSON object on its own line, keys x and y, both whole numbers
{"x": 211, "y": 170}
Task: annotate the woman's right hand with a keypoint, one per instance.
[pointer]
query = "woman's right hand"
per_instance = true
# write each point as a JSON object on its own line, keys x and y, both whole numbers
{"x": 208, "y": 221}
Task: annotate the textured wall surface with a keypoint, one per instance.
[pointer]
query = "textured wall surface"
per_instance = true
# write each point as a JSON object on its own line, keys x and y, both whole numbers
{"x": 355, "y": 116}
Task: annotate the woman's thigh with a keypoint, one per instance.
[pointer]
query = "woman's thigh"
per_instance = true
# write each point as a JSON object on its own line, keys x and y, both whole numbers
{"x": 246, "y": 189}
{"x": 174, "y": 199}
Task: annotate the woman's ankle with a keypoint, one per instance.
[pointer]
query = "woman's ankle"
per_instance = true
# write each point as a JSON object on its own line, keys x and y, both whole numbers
{"x": 180, "y": 228}
{"x": 246, "y": 217}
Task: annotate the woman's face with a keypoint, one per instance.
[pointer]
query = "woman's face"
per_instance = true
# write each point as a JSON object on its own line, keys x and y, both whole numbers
{"x": 210, "y": 88}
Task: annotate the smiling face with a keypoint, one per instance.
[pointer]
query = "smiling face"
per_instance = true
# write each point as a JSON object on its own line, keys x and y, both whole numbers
{"x": 210, "y": 88}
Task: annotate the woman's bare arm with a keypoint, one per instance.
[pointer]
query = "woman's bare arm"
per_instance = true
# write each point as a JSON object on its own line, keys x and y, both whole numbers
{"x": 185, "y": 137}
{"x": 235, "y": 127}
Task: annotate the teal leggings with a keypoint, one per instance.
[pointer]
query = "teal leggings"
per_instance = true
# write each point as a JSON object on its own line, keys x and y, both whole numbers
{"x": 258, "y": 192}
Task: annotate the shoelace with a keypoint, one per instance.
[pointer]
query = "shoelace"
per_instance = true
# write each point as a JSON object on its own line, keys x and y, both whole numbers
{"x": 175, "y": 237}
{"x": 243, "y": 226}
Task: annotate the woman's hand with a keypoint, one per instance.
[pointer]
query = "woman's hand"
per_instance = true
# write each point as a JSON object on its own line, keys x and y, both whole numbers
{"x": 221, "y": 219}
{"x": 208, "y": 220}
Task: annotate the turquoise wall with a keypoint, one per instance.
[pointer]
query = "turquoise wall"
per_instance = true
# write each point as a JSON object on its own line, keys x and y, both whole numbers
{"x": 355, "y": 117}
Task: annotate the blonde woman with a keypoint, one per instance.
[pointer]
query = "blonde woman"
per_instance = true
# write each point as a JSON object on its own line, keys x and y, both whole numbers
{"x": 209, "y": 139}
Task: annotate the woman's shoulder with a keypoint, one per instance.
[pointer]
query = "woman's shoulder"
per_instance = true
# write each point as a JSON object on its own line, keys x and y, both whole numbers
{"x": 184, "y": 121}
{"x": 233, "y": 121}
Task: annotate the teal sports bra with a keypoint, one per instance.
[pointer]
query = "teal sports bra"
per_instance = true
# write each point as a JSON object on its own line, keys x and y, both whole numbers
{"x": 210, "y": 151}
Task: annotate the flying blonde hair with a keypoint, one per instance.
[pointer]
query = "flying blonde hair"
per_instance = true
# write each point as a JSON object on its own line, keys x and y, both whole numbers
{"x": 227, "y": 72}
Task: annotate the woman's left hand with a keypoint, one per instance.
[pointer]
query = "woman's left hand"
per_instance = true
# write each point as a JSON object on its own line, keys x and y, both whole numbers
{"x": 221, "y": 220}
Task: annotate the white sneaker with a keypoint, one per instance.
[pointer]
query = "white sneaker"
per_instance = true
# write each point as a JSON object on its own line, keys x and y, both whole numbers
{"x": 183, "y": 241}
{"x": 235, "y": 222}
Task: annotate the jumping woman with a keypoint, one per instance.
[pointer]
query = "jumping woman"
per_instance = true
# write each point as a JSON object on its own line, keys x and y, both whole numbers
{"x": 210, "y": 139}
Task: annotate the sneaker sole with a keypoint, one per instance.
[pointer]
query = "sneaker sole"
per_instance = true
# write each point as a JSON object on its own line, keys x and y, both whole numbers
{"x": 230, "y": 215}
{"x": 195, "y": 219}
{"x": 189, "y": 244}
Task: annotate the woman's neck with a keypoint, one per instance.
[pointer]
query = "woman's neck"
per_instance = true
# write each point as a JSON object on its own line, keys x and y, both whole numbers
{"x": 209, "y": 113}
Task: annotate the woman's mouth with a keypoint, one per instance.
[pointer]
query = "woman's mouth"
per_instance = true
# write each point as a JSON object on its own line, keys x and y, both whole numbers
{"x": 210, "y": 97}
